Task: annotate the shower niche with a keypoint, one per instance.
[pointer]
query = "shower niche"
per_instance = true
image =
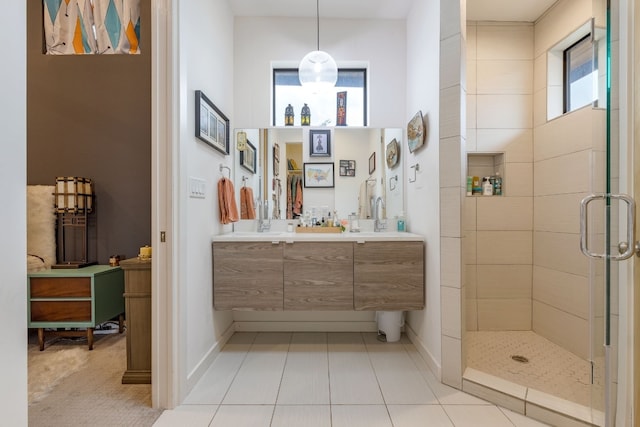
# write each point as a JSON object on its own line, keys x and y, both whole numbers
{"x": 482, "y": 165}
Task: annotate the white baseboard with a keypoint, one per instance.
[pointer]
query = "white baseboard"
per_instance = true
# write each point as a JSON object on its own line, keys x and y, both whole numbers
{"x": 431, "y": 361}
{"x": 196, "y": 374}
{"x": 318, "y": 326}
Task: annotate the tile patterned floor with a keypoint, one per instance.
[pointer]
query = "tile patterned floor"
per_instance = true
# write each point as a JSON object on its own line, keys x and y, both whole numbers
{"x": 550, "y": 369}
{"x": 328, "y": 380}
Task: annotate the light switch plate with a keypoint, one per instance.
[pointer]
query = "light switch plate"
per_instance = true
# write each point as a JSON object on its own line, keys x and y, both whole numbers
{"x": 197, "y": 188}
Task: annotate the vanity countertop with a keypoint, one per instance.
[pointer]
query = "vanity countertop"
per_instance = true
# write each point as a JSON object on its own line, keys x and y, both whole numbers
{"x": 277, "y": 236}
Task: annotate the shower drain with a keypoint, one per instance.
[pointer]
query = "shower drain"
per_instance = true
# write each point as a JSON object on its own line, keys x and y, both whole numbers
{"x": 520, "y": 359}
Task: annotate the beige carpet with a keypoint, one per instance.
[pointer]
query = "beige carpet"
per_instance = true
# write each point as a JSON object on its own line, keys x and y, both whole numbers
{"x": 48, "y": 368}
{"x": 91, "y": 394}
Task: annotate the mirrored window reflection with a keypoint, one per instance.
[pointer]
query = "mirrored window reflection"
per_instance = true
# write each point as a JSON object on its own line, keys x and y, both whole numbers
{"x": 328, "y": 108}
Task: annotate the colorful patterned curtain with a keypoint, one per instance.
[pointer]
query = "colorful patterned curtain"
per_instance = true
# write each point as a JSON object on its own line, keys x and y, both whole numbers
{"x": 75, "y": 27}
{"x": 68, "y": 27}
{"x": 117, "y": 26}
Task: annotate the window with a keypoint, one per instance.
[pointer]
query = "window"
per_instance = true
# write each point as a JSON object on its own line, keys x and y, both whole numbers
{"x": 580, "y": 74}
{"x": 287, "y": 90}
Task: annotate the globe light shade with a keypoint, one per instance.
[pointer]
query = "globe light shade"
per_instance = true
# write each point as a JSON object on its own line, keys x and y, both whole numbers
{"x": 318, "y": 71}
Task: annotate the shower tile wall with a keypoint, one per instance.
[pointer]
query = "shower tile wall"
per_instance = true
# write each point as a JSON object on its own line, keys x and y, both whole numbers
{"x": 498, "y": 230}
{"x": 561, "y": 286}
{"x": 524, "y": 269}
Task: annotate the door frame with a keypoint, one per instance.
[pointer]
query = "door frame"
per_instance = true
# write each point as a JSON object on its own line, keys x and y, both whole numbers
{"x": 165, "y": 372}
{"x": 634, "y": 124}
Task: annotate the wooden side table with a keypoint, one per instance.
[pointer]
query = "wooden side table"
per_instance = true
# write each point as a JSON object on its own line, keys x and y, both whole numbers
{"x": 137, "y": 296}
{"x": 74, "y": 298}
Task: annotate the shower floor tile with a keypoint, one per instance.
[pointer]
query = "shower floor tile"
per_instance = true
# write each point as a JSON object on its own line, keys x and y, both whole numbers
{"x": 549, "y": 369}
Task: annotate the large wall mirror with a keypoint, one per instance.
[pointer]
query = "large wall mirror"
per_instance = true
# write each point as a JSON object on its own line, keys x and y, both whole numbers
{"x": 322, "y": 170}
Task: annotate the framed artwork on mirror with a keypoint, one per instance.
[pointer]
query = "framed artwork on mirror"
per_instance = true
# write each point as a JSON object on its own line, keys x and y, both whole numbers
{"x": 347, "y": 168}
{"x": 372, "y": 163}
{"x": 248, "y": 157}
{"x": 318, "y": 175}
{"x": 276, "y": 159}
{"x": 320, "y": 143}
{"x": 212, "y": 126}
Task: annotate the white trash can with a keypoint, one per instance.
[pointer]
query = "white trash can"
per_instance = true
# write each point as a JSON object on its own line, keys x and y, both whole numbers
{"x": 389, "y": 324}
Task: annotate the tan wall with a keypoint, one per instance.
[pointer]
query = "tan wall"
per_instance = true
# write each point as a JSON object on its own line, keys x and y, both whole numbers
{"x": 498, "y": 229}
{"x": 566, "y": 152}
{"x": 91, "y": 116}
{"x": 524, "y": 266}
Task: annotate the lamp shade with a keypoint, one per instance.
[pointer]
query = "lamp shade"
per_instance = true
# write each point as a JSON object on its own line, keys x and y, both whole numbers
{"x": 73, "y": 195}
{"x": 318, "y": 71}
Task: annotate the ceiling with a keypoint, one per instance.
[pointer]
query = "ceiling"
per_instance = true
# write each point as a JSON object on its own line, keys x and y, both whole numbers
{"x": 477, "y": 10}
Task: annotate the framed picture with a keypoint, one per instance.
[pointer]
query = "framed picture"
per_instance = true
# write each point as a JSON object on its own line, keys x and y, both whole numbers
{"x": 416, "y": 133}
{"x": 248, "y": 157}
{"x": 341, "y": 108}
{"x": 393, "y": 153}
{"x": 318, "y": 175}
{"x": 212, "y": 126}
{"x": 276, "y": 159}
{"x": 320, "y": 143}
{"x": 372, "y": 163}
{"x": 347, "y": 168}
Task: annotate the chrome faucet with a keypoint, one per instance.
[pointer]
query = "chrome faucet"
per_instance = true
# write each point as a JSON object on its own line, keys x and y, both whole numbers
{"x": 264, "y": 221}
{"x": 378, "y": 224}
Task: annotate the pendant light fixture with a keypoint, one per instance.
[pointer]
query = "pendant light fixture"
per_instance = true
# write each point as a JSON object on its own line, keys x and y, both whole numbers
{"x": 318, "y": 70}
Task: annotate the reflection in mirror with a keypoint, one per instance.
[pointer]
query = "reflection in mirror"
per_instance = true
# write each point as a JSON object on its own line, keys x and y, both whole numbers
{"x": 248, "y": 173}
{"x": 361, "y": 172}
{"x": 392, "y": 160}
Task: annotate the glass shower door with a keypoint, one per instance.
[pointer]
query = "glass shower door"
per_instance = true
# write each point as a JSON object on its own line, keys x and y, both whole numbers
{"x": 613, "y": 229}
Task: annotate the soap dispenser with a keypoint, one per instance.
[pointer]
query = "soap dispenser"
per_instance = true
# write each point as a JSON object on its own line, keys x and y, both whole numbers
{"x": 487, "y": 187}
{"x": 400, "y": 224}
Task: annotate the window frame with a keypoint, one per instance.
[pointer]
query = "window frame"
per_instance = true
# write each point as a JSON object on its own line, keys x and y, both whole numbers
{"x": 566, "y": 72}
{"x": 364, "y": 71}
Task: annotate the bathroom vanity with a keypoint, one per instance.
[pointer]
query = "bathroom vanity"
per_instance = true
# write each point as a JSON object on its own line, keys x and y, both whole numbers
{"x": 300, "y": 271}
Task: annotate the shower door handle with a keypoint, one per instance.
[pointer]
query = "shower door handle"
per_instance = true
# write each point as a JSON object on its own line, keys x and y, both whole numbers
{"x": 584, "y": 220}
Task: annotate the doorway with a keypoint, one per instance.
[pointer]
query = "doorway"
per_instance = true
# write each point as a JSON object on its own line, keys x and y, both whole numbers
{"x": 528, "y": 285}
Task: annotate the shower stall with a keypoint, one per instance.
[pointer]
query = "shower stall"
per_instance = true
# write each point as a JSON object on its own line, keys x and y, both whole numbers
{"x": 539, "y": 313}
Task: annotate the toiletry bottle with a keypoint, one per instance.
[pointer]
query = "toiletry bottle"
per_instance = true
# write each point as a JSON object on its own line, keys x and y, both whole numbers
{"x": 400, "y": 222}
{"x": 487, "y": 188}
{"x": 497, "y": 185}
{"x": 469, "y": 185}
{"x": 476, "y": 188}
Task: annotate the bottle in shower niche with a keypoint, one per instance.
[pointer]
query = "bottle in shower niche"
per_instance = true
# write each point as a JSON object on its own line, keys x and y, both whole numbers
{"x": 476, "y": 188}
{"x": 497, "y": 184}
{"x": 487, "y": 187}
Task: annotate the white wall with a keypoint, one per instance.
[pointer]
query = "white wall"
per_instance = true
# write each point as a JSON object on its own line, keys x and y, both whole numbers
{"x": 261, "y": 40}
{"x": 423, "y": 196}
{"x": 201, "y": 66}
{"x": 356, "y": 146}
{"x": 13, "y": 168}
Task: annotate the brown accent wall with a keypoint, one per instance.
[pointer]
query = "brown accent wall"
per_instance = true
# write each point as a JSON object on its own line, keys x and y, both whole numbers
{"x": 90, "y": 116}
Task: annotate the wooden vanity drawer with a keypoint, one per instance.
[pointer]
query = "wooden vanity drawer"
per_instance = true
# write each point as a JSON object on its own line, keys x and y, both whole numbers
{"x": 61, "y": 311}
{"x": 60, "y": 287}
{"x": 318, "y": 276}
{"x": 388, "y": 276}
{"x": 247, "y": 276}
